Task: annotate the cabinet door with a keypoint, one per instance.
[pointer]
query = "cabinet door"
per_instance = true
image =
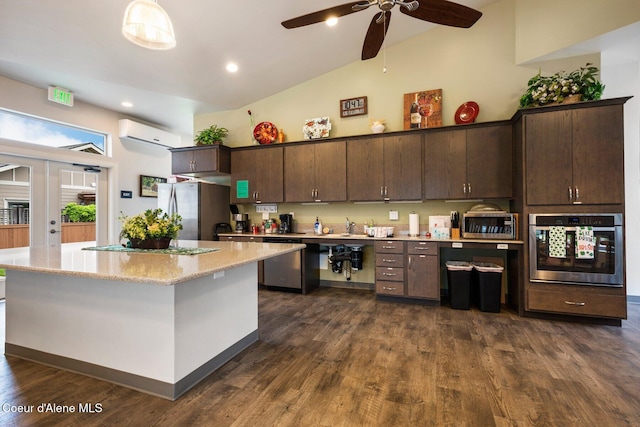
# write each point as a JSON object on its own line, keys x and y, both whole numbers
{"x": 403, "y": 167}
{"x": 365, "y": 176}
{"x": 489, "y": 162}
{"x": 242, "y": 169}
{"x": 269, "y": 174}
{"x": 299, "y": 176}
{"x": 181, "y": 162}
{"x": 445, "y": 165}
{"x": 331, "y": 171}
{"x": 598, "y": 150}
{"x": 422, "y": 277}
{"x": 205, "y": 160}
{"x": 549, "y": 158}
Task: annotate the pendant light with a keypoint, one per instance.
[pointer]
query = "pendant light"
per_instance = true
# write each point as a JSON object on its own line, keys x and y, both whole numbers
{"x": 148, "y": 25}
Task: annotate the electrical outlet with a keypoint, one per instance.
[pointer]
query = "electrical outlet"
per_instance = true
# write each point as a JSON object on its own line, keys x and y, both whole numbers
{"x": 393, "y": 215}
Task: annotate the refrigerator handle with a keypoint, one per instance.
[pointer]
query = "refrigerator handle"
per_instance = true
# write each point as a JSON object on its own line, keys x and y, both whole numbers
{"x": 173, "y": 201}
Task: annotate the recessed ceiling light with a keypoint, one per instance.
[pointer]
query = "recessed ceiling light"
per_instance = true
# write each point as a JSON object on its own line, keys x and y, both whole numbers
{"x": 332, "y": 21}
{"x": 231, "y": 67}
{"x": 126, "y": 104}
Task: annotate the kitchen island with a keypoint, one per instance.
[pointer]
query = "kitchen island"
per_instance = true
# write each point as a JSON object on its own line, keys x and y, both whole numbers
{"x": 158, "y": 323}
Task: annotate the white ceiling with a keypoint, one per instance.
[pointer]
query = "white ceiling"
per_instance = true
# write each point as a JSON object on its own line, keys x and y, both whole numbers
{"x": 77, "y": 44}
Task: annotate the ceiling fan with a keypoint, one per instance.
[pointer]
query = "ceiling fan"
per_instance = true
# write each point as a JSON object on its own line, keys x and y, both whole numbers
{"x": 437, "y": 11}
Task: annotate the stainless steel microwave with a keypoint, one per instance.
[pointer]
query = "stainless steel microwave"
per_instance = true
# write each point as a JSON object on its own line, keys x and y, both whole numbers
{"x": 489, "y": 225}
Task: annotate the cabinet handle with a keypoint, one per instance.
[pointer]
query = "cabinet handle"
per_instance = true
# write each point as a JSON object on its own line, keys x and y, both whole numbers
{"x": 578, "y": 304}
{"x": 464, "y": 188}
{"x": 381, "y": 191}
{"x": 386, "y": 191}
{"x": 388, "y": 247}
{"x": 389, "y": 274}
{"x": 386, "y": 288}
{"x": 421, "y": 248}
{"x": 388, "y": 260}
{"x": 469, "y": 187}
{"x": 570, "y": 194}
{"x": 577, "y": 194}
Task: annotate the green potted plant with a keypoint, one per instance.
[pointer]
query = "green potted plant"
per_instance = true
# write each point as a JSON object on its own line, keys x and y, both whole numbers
{"x": 579, "y": 85}
{"x": 211, "y": 135}
{"x": 152, "y": 229}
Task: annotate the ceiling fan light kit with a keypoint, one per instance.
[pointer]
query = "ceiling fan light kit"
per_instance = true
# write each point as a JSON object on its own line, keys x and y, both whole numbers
{"x": 146, "y": 24}
{"x": 441, "y": 12}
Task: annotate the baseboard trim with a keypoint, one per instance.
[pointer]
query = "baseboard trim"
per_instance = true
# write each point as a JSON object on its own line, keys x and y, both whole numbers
{"x": 347, "y": 285}
{"x": 147, "y": 385}
{"x": 633, "y": 299}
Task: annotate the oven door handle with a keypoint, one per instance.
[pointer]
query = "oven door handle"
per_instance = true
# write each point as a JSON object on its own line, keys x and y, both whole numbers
{"x": 571, "y": 229}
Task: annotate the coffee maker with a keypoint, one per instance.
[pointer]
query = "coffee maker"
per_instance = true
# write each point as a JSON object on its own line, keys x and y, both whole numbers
{"x": 286, "y": 224}
{"x": 242, "y": 222}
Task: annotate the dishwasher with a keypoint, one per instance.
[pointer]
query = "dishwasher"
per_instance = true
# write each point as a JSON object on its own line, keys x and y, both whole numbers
{"x": 296, "y": 272}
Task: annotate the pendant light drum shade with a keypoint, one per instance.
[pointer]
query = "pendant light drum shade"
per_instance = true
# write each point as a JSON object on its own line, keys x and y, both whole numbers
{"x": 148, "y": 25}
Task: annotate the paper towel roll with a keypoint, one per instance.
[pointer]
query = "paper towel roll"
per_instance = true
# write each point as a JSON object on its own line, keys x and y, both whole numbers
{"x": 414, "y": 225}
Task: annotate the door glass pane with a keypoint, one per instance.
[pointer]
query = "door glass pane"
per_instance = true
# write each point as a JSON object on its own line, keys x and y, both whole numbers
{"x": 77, "y": 204}
{"x": 15, "y": 202}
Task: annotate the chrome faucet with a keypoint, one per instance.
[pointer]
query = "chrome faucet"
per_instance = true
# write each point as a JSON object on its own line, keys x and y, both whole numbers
{"x": 348, "y": 225}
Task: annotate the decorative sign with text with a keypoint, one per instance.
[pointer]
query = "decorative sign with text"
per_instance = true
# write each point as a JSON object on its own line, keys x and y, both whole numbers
{"x": 353, "y": 106}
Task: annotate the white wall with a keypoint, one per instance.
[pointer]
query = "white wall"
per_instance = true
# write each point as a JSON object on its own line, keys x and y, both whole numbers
{"x": 623, "y": 79}
{"x": 133, "y": 159}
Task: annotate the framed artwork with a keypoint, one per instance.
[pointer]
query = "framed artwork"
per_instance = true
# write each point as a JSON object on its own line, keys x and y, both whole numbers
{"x": 423, "y": 109}
{"x": 353, "y": 106}
{"x": 149, "y": 185}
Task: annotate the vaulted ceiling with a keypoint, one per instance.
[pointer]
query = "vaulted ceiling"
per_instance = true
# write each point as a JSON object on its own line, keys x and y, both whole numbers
{"x": 77, "y": 45}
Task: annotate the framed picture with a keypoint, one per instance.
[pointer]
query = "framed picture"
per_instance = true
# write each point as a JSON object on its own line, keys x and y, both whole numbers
{"x": 353, "y": 106}
{"x": 149, "y": 185}
{"x": 423, "y": 109}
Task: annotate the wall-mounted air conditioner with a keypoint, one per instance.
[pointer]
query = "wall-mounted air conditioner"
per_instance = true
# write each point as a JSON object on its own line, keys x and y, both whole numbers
{"x": 138, "y": 132}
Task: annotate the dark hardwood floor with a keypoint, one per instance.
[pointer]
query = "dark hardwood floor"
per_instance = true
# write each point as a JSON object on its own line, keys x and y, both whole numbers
{"x": 338, "y": 357}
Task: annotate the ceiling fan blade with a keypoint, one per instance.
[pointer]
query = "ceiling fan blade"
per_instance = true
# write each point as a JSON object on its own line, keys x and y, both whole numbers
{"x": 445, "y": 13}
{"x": 375, "y": 35}
{"x": 323, "y": 15}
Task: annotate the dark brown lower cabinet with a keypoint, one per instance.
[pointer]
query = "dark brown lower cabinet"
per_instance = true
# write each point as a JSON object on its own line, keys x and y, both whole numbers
{"x": 423, "y": 267}
{"x": 390, "y": 268}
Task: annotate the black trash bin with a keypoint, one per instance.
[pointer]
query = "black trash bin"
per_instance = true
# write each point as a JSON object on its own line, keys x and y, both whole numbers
{"x": 487, "y": 283}
{"x": 459, "y": 278}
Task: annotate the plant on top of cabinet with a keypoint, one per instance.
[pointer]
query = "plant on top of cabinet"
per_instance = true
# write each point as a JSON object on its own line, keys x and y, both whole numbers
{"x": 582, "y": 83}
{"x": 211, "y": 136}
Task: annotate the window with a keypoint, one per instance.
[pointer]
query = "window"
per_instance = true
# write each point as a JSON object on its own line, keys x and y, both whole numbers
{"x": 25, "y": 128}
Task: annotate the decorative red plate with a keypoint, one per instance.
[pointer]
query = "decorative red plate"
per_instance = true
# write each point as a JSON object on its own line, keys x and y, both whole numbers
{"x": 467, "y": 113}
{"x": 265, "y": 133}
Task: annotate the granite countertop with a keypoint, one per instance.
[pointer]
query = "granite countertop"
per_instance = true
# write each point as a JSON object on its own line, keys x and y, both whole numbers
{"x": 360, "y": 237}
{"x": 151, "y": 268}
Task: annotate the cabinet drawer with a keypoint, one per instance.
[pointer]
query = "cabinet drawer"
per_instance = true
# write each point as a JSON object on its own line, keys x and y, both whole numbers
{"x": 389, "y": 247}
{"x": 389, "y": 260}
{"x": 577, "y": 303}
{"x": 390, "y": 273}
{"x": 422, "y": 248}
{"x": 389, "y": 288}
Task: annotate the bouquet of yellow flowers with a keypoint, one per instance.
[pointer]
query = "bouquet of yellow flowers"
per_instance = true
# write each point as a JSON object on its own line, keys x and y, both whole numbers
{"x": 151, "y": 224}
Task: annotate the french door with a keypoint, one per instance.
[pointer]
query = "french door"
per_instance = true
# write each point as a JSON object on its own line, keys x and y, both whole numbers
{"x": 45, "y": 187}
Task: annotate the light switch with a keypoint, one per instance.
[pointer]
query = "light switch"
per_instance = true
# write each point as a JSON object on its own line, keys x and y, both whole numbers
{"x": 393, "y": 215}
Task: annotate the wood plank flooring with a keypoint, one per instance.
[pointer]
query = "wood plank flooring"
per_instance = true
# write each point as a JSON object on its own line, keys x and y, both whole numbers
{"x": 338, "y": 357}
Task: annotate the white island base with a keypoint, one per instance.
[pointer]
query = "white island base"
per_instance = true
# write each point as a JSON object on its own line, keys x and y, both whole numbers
{"x": 158, "y": 339}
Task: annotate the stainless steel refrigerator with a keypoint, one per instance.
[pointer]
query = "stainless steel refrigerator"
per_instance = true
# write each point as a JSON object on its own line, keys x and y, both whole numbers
{"x": 201, "y": 206}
